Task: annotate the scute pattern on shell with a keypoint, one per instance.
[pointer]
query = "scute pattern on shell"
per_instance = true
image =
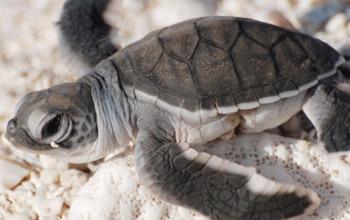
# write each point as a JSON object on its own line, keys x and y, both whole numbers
{"x": 199, "y": 63}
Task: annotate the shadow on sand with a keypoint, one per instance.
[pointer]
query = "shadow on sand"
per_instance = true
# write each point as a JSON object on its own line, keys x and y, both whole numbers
{"x": 293, "y": 161}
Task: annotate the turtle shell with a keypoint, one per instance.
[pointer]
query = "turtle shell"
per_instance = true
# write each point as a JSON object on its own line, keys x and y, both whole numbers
{"x": 218, "y": 65}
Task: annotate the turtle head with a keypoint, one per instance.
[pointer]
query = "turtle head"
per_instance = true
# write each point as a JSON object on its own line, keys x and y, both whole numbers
{"x": 60, "y": 121}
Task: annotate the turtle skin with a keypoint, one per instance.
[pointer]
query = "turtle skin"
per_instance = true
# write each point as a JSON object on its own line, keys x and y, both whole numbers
{"x": 223, "y": 61}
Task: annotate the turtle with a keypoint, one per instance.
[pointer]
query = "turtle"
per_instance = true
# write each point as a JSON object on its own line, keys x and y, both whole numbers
{"x": 186, "y": 85}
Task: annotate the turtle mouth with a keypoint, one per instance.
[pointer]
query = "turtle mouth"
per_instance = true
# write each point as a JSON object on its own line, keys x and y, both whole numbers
{"x": 23, "y": 141}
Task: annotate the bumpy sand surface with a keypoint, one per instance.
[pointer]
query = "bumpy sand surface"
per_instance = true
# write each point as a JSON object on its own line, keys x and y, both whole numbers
{"x": 41, "y": 187}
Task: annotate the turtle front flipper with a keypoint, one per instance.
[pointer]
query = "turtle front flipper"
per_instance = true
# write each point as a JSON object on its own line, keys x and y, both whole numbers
{"x": 213, "y": 186}
{"x": 86, "y": 37}
{"x": 328, "y": 108}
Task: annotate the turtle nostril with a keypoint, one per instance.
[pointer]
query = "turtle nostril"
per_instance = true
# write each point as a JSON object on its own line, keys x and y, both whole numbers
{"x": 11, "y": 126}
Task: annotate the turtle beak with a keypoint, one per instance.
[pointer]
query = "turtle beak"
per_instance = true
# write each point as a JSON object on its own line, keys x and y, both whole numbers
{"x": 20, "y": 139}
{"x": 11, "y": 129}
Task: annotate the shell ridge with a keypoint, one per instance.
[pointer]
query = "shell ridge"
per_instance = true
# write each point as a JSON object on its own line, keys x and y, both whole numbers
{"x": 212, "y": 44}
{"x": 274, "y": 62}
{"x": 190, "y": 67}
{"x": 222, "y": 108}
{"x": 194, "y": 79}
{"x": 174, "y": 56}
{"x": 195, "y": 27}
{"x": 294, "y": 40}
{"x": 296, "y": 86}
{"x": 160, "y": 57}
{"x": 237, "y": 75}
{"x": 190, "y": 61}
{"x": 205, "y": 40}
{"x": 273, "y": 54}
{"x": 132, "y": 63}
{"x": 251, "y": 38}
{"x": 257, "y": 98}
{"x": 281, "y": 38}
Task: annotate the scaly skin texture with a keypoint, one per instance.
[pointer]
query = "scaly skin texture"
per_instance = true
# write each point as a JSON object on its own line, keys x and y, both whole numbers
{"x": 216, "y": 187}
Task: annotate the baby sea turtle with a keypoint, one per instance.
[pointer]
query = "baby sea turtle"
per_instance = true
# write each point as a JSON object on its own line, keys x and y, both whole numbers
{"x": 189, "y": 83}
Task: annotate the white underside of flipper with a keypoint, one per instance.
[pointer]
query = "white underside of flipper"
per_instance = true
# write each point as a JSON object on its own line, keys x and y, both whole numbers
{"x": 264, "y": 186}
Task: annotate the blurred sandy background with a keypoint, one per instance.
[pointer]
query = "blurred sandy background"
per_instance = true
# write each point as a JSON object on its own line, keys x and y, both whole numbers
{"x": 40, "y": 187}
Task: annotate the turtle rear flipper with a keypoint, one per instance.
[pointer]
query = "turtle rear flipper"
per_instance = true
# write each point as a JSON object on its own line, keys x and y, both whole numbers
{"x": 328, "y": 109}
{"x": 85, "y": 35}
{"x": 213, "y": 186}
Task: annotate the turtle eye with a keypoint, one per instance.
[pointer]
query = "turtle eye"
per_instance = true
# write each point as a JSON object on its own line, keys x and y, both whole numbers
{"x": 51, "y": 127}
